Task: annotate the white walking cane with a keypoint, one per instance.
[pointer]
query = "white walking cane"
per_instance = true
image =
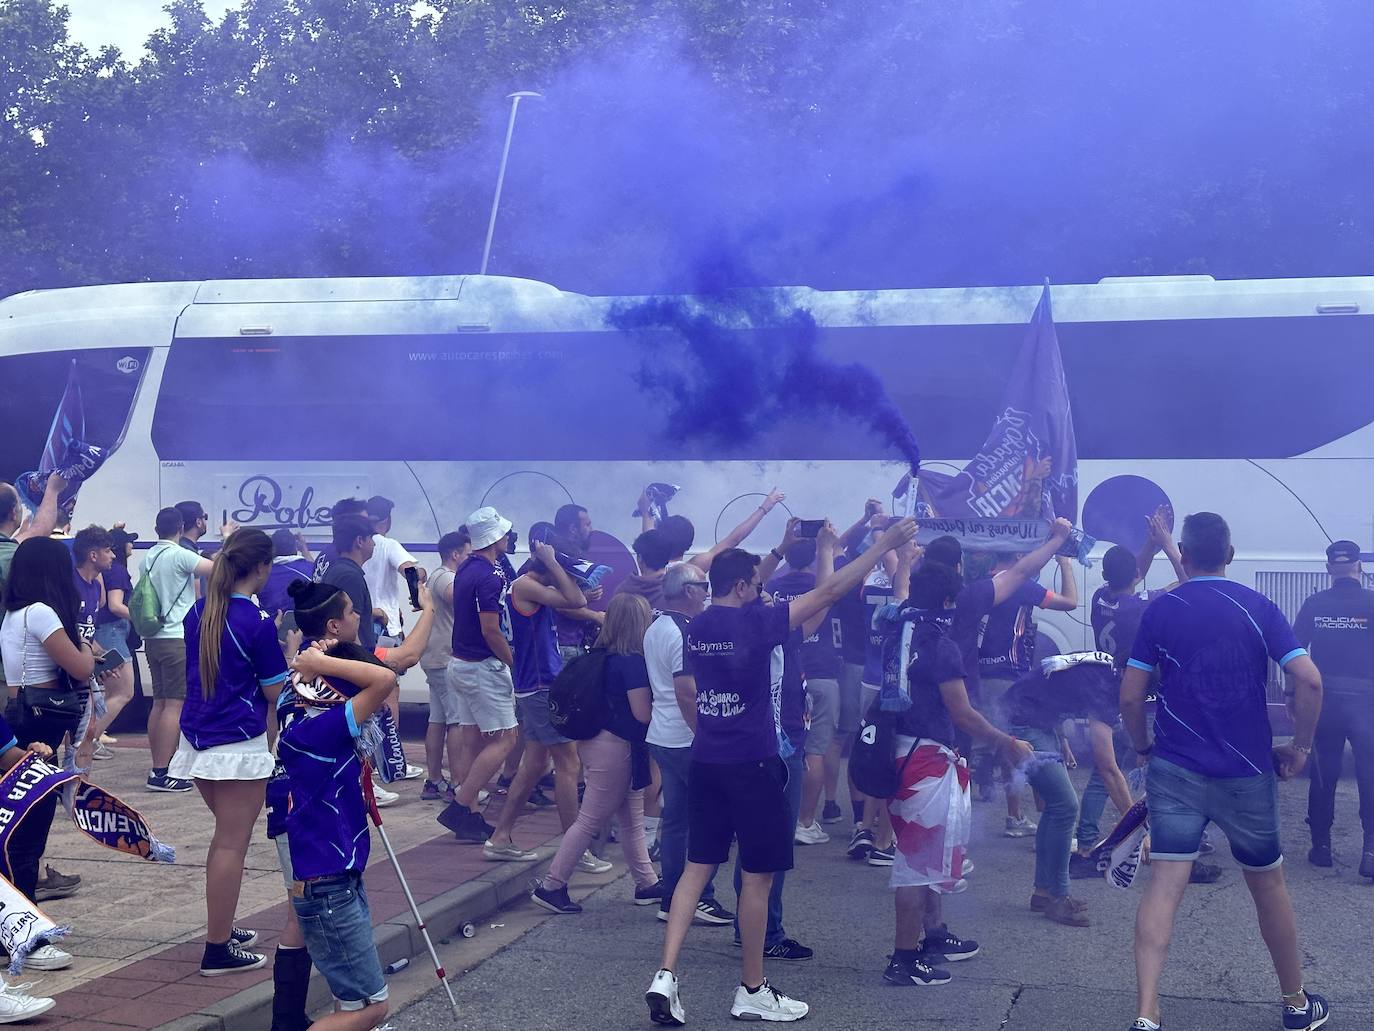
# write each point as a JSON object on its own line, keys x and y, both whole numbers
{"x": 395, "y": 865}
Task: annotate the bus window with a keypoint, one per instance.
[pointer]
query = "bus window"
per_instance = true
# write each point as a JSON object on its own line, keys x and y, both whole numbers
{"x": 1161, "y": 389}
{"x": 31, "y": 386}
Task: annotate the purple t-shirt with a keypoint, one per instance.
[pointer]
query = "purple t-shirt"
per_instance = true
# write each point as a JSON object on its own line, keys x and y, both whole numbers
{"x": 820, "y": 659}
{"x": 88, "y": 595}
{"x": 273, "y": 597}
{"x": 1006, "y": 647}
{"x": 1116, "y": 621}
{"x": 875, "y": 597}
{"x": 116, "y": 579}
{"x": 478, "y": 586}
{"x": 970, "y": 609}
{"x": 1212, "y": 639}
{"x": 249, "y": 660}
{"x": 326, "y": 826}
{"x": 534, "y": 641}
{"x": 729, "y": 652}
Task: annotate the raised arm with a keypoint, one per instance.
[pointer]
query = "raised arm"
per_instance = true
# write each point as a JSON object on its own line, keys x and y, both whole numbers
{"x": 845, "y": 580}
{"x": 374, "y": 682}
{"x": 646, "y": 516}
{"x": 735, "y": 537}
{"x": 1005, "y": 584}
{"x": 907, "y": 556}
{"x": 563, "y": 593}
{"x": 44, "y": 520}
{"x": 1065, "y": 599}
{"x": 412, "y": 649}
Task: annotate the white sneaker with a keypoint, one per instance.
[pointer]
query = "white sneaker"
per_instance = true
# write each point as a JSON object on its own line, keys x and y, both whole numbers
{"x": 383, "y": 796}
{"x": 412, "y": 772}
{"x": 766, "y": 1004}
{"x": 1021, "y": 827}
{"x": 589, "y": 863}
{"x": 482, "y": 794}
{"x": 967, "y": 868}
{"x": 811, "y": 834}
{"x": 16, "y": 1006}
{"x": 47, "y": 957}
{"x": 665, "y": 1006}
{"x": 102, "y": 751}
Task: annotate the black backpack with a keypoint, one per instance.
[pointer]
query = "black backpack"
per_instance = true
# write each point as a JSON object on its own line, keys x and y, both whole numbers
{"x": 873, "y": 761}
{"x": 577, "y": 696}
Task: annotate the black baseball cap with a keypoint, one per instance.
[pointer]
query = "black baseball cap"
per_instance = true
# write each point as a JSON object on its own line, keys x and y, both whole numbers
{"x": 1343, "y": 553}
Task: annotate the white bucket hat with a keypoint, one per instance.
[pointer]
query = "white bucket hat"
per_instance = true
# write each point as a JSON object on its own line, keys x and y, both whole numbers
{"x": 486, "y": 526}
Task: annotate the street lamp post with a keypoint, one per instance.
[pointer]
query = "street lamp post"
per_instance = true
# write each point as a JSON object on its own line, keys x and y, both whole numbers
{"x": 514, "y": 99}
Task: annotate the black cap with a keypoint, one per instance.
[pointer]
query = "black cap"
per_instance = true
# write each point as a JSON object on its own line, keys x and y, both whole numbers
{"x": 379, "y": 508}
{"x": 1343, "y": 553}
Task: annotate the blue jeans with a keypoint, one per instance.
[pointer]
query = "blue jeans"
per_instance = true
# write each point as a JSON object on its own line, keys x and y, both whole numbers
{"x": 1095, "y": 793}
{"x": 1055, "y": 834}
{"x": 796, "y": 768}
{"x": 673, "y": 764}
{"x": 338, "y": 935}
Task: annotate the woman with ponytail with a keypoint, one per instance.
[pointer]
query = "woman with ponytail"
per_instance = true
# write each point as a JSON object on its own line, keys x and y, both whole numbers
{"x": 234, "y": 668}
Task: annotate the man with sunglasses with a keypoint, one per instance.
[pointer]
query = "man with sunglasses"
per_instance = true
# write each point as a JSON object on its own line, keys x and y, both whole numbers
{"x": 684, "y": 594}
{"x": 737, "y": 780}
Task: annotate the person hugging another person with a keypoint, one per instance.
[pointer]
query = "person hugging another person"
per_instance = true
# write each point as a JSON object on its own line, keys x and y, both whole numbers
{"x": 234, "y": 667}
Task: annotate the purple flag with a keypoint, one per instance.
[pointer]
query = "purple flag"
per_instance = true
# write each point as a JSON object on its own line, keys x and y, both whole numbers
{"x": 1028, "y": 466}
{"x": 66, "y": 452}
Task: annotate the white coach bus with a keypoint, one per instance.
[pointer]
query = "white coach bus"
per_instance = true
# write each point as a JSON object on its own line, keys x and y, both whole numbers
{"x": 268, "y": 400}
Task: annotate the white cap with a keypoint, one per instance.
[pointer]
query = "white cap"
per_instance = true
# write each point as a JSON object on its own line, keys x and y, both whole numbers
{"x": 486, "y": 526}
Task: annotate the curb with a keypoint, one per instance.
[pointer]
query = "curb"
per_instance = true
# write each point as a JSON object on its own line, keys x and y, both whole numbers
{"x": 398, "y": 938}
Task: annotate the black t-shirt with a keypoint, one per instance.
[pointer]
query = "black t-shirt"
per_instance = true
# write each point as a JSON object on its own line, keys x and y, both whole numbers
{"x": 933, "y": 660}
{"x": 624, "y": 673}
{"x": 347, "y": 576}
{"x": 1087, "y": 691}
{"x": 1337, "y": 627}
{"x": 850, "y": 621}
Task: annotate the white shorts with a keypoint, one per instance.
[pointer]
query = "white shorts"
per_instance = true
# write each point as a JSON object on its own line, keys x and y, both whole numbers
{"x": 238, "y": 760}
{"x": 446, "y": 705}
{"x": 488, "y": 691}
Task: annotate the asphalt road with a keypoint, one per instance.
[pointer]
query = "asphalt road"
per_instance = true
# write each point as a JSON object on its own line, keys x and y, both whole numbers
{"x": 590, "y": 971}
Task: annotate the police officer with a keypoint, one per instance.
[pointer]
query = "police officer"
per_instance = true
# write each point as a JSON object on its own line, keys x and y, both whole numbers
{"x": 1337, "y": 627}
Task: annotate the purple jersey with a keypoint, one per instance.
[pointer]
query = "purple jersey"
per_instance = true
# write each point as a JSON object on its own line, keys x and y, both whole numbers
{"x": 116, "y": 579}
{"x": 820, "y": 660}
{"x": 1006, "y": 647}
{"x": 875, "y": 596}
{"x": 88, "y": 593}
{"x": 326, "y": 826}
{"x": 1212, "y": 639}
{"x": 534, "y": 641}
{"x": 273, "y": 597}
{"x": 730, "y": 651}
{"x": 1116, "y": 620}
{"x": 478, "y": 587}
{"x": 249, "y": 660}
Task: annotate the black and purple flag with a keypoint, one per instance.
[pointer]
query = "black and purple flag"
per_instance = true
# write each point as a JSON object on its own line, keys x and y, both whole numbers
{"x": 1028, "y": 466}
{"x": 67, "y": 451}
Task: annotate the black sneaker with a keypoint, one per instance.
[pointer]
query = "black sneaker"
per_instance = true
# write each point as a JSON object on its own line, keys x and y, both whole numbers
{"x": 915, "y": 972}
{"x": 711, "y": 912}
{"x": 1320, "y": 855}
{"x": 860, "y": 844}
{"x": 1205, "y": 873}
{"x": 1082, "y": 868}
{"x": 554, "y": 901}
{"x": 229, "y": 959}
{"x": 172, "y": 785}
{"x": 503, "y": 784}
{"x": 788, "y": 949}
{"x": 546, "y": 782}
{"x": 465, "y": 824}
{"x": 539, "y": 800}
{"x": 831, "y": 813}
{"x": 242, "y": 937}
{"x": 881, "y": 856}
{"x": 942, "y": 947}
{"x": 56, "y": 886}
{"x": 650, "y": 896}
{"x": 1316, "y": 1013}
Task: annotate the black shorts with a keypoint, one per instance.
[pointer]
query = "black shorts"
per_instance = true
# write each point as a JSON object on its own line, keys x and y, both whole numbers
{"x": 747, "y": 801}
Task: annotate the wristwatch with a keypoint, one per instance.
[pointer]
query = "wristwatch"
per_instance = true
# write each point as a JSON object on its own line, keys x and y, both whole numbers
{"x": 1304, "y": 749}
{"x": 1146, "y": 750}
{"x": 776, "y": 554}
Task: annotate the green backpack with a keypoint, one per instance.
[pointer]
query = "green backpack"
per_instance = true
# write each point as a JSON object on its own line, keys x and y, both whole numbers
{"x": 145, "y": 608}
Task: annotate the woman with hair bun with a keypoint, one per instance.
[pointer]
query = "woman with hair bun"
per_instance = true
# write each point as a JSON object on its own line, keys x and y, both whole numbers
{"x": 234, "y": 668}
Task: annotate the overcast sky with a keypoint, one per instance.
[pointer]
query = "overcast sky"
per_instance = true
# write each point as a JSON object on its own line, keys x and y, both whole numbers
{"x": 125, "y": 23}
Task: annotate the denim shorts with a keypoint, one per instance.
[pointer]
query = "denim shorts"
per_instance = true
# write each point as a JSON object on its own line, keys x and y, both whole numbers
{"x": 535, "y": 722}
{"x": 338, "y": 935}
{"x": 1182, "y": 802}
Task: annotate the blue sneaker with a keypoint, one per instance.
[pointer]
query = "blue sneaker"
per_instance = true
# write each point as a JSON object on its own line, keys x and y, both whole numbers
{"x": 1307, "y": 1018}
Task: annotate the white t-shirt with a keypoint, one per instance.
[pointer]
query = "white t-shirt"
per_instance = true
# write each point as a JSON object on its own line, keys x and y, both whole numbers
{"x": 173, "y": 572}
{"x": 663, "y": 657}
{"x": 38, "y": 666}
{"x": 385, "y": 582}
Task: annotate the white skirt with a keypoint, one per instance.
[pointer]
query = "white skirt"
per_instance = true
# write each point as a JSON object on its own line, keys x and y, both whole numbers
{"x": 238, "y": 760}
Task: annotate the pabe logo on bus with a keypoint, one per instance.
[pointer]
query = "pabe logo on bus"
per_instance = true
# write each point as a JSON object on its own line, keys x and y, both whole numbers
{"x": 261, "y": 495}
{"x": 128, "y": 365}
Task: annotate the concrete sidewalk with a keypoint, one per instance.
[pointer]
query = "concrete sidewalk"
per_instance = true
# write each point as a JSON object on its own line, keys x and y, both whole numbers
{"x": 137, "y": 928}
